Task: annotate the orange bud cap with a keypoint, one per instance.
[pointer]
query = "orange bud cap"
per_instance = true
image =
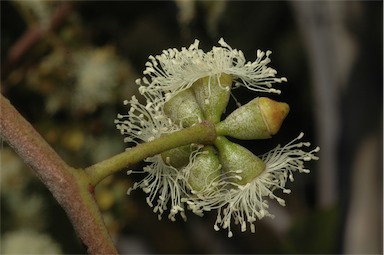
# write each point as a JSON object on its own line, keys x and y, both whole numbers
{"x": 273, "y": 113}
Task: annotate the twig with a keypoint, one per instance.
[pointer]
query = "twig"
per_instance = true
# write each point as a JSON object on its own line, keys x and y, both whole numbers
{"x": 203, "y": 133}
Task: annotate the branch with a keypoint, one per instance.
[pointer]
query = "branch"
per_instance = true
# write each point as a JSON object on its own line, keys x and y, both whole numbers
{"x": 70, "y": 187}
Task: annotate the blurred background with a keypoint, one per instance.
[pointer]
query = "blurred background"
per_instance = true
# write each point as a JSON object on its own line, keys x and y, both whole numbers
{"x": 68, "y": 66}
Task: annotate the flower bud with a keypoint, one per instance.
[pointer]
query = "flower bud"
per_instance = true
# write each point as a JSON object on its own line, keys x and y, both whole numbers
{"x": 184, "y": 108}
{"x": 259, "y": 119}
{"x": 212, "y": 93}
{"x": 205, "y": 170}
{"x": 177, "y": 157}
{"x": 241, "y": 165}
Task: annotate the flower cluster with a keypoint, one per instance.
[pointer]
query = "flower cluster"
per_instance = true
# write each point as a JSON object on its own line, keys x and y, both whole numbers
{"x": 182, "y": 88}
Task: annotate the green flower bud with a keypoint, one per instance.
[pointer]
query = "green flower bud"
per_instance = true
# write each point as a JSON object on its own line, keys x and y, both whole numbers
{"x": 238, "y": 162}
{"x": 184, "y": 107}
{"x": 177, "y": 157}
{"x": 205, "y": 170}
{"x": 212, "y": 93}
{"x": 259, "y": 119}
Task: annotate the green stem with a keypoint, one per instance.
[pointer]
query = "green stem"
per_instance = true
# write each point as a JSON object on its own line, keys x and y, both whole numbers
{"x": 202, "y": 133}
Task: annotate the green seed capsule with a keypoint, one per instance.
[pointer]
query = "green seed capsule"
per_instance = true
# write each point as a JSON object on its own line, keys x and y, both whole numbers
{"x": 177, "y": 157}
{"x": 205, "y": 171}
{"x": 212, "y": 93}
{"x": 259, "y": 119}
{"x": 238, "y": 162}
{"x": 184, "y": 108}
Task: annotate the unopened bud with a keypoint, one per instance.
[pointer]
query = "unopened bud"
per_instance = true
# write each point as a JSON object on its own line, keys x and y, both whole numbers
{"x": 184, "y": 108}
{"x": 259, "y": 119}
{"x": 212, "y": 93}
{"x": 206, "y": 170}
{"x": 241, "y": 165}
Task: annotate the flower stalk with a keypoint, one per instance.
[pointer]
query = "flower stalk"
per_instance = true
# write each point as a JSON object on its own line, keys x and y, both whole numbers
{"x": 202, "y": 133}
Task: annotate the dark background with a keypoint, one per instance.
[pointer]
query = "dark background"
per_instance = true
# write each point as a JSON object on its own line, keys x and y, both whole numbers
{"x": 331, "y": 53}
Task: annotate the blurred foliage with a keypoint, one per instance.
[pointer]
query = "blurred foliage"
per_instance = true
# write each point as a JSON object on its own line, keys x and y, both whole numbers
{"x": 71, "y": 83}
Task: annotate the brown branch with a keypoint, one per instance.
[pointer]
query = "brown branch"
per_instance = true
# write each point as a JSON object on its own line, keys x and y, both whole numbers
{"x": 69, "y": 186}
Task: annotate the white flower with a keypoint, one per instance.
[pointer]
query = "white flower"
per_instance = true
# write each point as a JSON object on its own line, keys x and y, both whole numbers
{"x": 26, "y": 241}
{"x": 163, "y": 183}
{"x": 244, "y": 204}
{"x": 144, "y": 123}
{"x": 174, "y": 70}
{"x": 13, "y": 177}
{"x": 97, "y": 73}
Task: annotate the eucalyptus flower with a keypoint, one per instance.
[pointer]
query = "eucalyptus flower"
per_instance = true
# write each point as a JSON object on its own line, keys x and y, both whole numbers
{"x": 244, "y": 203}
{"x": 144, "y": 123}
{"x": 185, "y": 87}
{"x": 176, "y": 70}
